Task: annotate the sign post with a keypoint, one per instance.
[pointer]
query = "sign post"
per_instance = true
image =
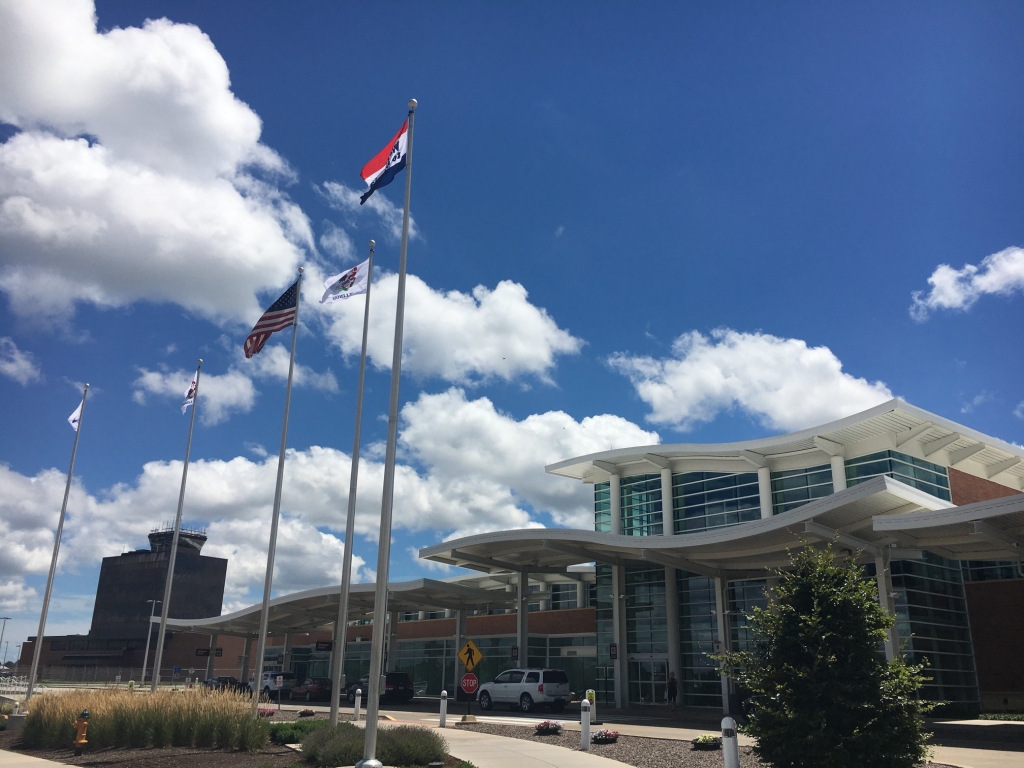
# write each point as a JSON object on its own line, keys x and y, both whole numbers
{"x": 469, "y": 684}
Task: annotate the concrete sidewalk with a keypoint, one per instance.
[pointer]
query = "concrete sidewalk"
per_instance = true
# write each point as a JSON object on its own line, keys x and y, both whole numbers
{"x": 486, "y": 751}
{"x": 18, "y": 760}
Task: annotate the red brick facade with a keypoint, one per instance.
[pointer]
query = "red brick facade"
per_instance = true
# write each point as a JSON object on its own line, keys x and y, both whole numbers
{"x": 996, "y": 612}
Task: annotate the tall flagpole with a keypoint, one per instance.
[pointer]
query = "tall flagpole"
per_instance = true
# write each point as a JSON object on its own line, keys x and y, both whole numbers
{"x": 261, "y": 644}
{"x": 53, "y": 561}
{"x": 380, "y": 600}
{"x": 173, "y": 556}
{"x": 341, "y": 625}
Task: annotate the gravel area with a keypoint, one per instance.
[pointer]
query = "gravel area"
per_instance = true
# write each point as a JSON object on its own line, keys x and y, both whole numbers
{"x": 635, "y": 750}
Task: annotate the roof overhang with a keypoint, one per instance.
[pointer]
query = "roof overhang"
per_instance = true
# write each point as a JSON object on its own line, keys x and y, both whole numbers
{"x": 737, "y": 551}
{"x": 987, "y": 530}
{"x": 895, "y": 425}
{"x": 318, "y": 608}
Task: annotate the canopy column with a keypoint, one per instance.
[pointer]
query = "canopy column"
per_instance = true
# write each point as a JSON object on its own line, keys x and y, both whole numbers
{"x": 764, "y": 490}
{"x": 721, "y": 607}
{"x": 246, "y": 658}
{"x": 286, "y": 661}
{"x": 675, "y": 659}
{"x": 460, "y": 638}
{"x": 883, "y": 577}
{"x": 389, "y": 664}
{"x": 523, "y": 616}
{"x": 619, "y": 668}
{"x": 212, "y": 657}
{"x": 667, "y": 516}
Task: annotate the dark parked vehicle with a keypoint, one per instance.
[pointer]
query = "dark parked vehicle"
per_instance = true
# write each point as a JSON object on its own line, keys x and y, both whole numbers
{"x": 311, "y": 688}
{"x": 398, "y": 687}
{"x": 225, "y": 683}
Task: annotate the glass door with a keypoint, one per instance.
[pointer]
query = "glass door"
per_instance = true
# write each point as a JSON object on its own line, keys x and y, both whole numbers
{"x": 648, "y": 681}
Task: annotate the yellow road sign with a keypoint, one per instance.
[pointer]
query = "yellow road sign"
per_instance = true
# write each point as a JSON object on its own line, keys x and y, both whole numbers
{"x": 470, "y": 655}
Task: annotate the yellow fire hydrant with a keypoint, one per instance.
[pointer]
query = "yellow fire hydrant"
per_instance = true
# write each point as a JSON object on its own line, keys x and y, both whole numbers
{"x": 81, "y": 725}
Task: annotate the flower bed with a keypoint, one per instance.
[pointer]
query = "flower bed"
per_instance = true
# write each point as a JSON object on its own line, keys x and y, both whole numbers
{"x": 306, "y": 713}
{"x": 267, "y": 712}
{"x": 707, "y": 741}
{"x": 604, "y": 736}
{"x": 548, "y": 728}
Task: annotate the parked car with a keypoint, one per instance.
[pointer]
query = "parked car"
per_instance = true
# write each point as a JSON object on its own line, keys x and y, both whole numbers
{"x": 225, "y": 683}
{"x": 311, "y": 688}
{"x": 397, "y": 687}
{"x": 526, "y": 689}
{"x": 268, "y": 684}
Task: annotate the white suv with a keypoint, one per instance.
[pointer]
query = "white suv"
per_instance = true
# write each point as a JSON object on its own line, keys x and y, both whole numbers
{"x": 268, "y": 684}
{"x": 527, "y": 688}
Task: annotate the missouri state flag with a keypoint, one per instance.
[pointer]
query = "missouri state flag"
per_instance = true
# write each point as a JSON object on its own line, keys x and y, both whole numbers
{"x": 386, "y": 164}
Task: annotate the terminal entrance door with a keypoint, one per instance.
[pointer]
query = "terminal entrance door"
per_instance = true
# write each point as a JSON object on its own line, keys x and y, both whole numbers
{"x": 648, "y": 680}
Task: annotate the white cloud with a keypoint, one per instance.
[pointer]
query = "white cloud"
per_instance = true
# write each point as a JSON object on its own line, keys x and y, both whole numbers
{"x": 470, "y": 444}
{"x": 560, "y": 231}
{"x": 1019, "y": 410}
{"x": 783, "y": 383}
{"x": 223, "y": 395}
{"x": 160, "y": 191}
{"x": 459, "y": 337}
{"x": 975, "y": 401}
{"x": 336, "y": 242}
{"x": 1000, "y": 273}
{"x": 15, "y": 596}
{"x": 17, "y": 364}
{"x": 346, "y": 200}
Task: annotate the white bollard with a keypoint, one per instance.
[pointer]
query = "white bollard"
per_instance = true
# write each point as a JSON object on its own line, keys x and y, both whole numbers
{"x": 584, "y": 725}
{"x": 444, "y": 708}
{"x": 359, "y": 700}
{"x": 730, "y": 746}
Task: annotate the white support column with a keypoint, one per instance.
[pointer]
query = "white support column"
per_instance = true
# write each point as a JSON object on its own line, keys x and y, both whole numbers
{"x": 721, "y": 606}
{"x": 389, "y": 665}
{"x": 422, "y": 616}
{"x": 286, "y": 665}
{"x": 460, "y": 638}
{"x": 764, "y": 488}
{"x": 210, "y": 660}
{"x": 883, "y": 577}
{"x": 544, "y": 596}
{"x": 523, "y": 616}
{"x": 337, "y": 647}
{"x": 246, "y": 658}
{"x": 667, "y": 517}
{"x": 675, "y": 659}
{"x": 616, "y": 502}
{"x": 620, "y": 669}
{"x": 581, "y": 594}
{"x": 838, "y": 474}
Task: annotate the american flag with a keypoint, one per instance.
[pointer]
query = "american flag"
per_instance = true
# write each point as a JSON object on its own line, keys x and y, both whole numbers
{"x": 281, "y": 315}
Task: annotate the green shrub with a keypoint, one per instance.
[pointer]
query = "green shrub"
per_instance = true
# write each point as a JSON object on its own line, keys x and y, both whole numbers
{"x": 827, "y": 698}
{"x": 1015, "y": 716}
{"x": 195, "y": 718}
{"x": 402, "y": 745}
{"x": 295, "y": 732}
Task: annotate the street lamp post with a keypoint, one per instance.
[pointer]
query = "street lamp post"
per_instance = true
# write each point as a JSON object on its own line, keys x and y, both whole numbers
{"x": 149, "y": 632}
{"x": 5, "y": 619}
{"x": 6, "y": 643}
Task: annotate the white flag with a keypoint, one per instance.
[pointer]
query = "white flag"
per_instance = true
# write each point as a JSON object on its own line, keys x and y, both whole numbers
{"x": 190, "y": 394}
{"x": 75, "y": 417}
{"x": 350, "y": 283}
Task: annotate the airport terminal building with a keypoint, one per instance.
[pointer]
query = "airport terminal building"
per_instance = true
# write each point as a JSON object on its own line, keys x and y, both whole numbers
{"x": 684, "y": 540}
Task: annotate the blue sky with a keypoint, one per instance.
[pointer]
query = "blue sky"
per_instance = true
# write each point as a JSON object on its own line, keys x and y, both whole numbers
{"x": 675, "y": 222}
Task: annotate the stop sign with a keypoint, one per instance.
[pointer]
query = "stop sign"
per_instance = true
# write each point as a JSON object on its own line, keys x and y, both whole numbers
{"x": 469, "y": 683}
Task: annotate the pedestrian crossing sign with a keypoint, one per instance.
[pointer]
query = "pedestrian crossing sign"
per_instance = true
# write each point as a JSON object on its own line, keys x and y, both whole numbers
{"x": 470, "y": 655}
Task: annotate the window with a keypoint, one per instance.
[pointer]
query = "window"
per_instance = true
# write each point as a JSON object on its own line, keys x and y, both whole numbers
{"x": 58, "y": 645}
{"x": 641, "y": 505}
{"x": 795, "y": 487}
{"x": 533, "y": 677}
{"x": 702, "y": 500}
{"x": 515, "y": 676}
{"x": 555, "y": 676}
{"x": 563, "y": 597}
{"x": 917, "y": 473}
{"x": 602, "y": 507}
{"x": 504, "y": 677}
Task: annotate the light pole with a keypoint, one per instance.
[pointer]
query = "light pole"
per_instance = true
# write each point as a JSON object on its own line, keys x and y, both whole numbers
{"x": 17, "y": 655}
{"x": 6, "y": 643}
{"x": 149, "y": 631}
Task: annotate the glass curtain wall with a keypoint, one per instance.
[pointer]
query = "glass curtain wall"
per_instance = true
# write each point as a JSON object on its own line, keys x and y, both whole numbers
{"x": 699, "y": 683}
{"x": 702, "y": 500}
{"x": 641, "y": 505}
{"x": 794, "y": 487}
{"x": 917, "y": 473}
{"x": 602, "y": 507}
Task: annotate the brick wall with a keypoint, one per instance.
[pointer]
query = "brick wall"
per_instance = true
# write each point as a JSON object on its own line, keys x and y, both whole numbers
{"x": 995, "y": 609}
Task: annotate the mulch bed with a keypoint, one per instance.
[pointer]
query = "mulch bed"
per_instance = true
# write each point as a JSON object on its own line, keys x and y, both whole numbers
{"x": 634, "y": 750}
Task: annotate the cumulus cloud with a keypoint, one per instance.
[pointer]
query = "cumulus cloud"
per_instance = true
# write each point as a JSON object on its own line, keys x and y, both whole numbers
{"x": 223, "y": 395}
{"x": 486, "y": 473}
{"x": 17, "y": 364}
{"x": 463, "y": 338}
{"x": 15, "y": 596}
{"x": 346, "y": 199}
{"x": 336, "y": 242}
{"x": 134, "y": 169}
{"x": 783, "y": 383}
{"x": 1000, "y": 273}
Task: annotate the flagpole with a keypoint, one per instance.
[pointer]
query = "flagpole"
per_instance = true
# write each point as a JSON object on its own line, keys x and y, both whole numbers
{"x": 56, "y": 549}
{"x": 173, "y": 556}
{"x": 380, "y": 601}
{"x": 341, "y": 625}
{"x": 261, "y": 643}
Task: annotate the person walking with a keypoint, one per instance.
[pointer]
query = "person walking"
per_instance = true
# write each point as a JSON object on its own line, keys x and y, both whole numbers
{"x": 673, "y": 689}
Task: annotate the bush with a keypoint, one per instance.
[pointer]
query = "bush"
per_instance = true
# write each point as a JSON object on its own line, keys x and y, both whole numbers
{"x": 403, "y": 745}
{"x": 195, "y": 718}
{"x": 827, "y": 698}
{"x": 294, "y": 733}
{"x": 1012, "y": 716}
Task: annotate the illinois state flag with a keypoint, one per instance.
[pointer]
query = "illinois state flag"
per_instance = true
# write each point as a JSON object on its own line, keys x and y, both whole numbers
{"x": 386, "y": 164}
{"x": 349, "y": 283}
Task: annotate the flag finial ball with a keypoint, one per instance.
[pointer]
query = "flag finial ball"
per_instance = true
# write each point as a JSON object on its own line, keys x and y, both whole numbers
{"x": 200, "y": 361}
{"x": 301, "y": 270}
{"x": 412, "y": 103}
{"x": 373, "y": 243}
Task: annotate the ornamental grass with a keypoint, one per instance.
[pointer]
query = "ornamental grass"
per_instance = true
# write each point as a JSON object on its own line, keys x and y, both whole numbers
{"x": 396, "y": 745}
{"x": 120, "y": 718}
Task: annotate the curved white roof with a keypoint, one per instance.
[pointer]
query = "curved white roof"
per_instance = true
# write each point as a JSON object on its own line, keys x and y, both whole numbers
{"x": 893, "y": 425}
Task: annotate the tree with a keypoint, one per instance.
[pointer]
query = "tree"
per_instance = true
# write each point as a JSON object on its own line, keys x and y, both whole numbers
{"x": 826, "y": 697}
